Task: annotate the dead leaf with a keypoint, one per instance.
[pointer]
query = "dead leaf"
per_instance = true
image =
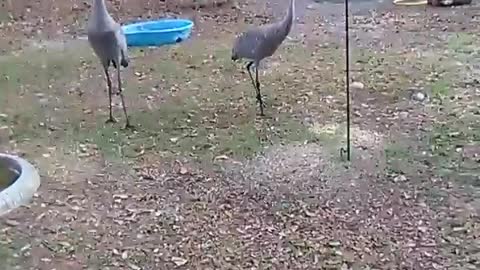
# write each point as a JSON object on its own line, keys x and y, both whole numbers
{"x": 334, "y": 243}
{"x": 12, "y": 223}
{"x": 183, "y": 170}
{"x": 221, "y": 157}
{"x": 179, "y": 261}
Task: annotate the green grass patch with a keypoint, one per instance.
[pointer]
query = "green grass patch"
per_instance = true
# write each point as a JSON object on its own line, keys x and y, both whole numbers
{"x": 448, "y": 141}
{"x": 203, "y": 105}
{"x": 207, "y": 114}
{"x": 188, "y": 129}
{"x": 6, "y": 257}
{"x": 399, "y": 158}
{"x": 462, "y": 42}
{"x": 34, "y": 86}
{"x": 4, "y": 15}
{"x": 440, "y": 89}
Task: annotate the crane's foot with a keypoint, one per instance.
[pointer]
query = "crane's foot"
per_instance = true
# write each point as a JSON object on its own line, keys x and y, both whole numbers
{"x": 111, "y": 120}
{"x": 129, "y": 126}
{"x": 261, "y": 111}
{"x": 261, "y": 104}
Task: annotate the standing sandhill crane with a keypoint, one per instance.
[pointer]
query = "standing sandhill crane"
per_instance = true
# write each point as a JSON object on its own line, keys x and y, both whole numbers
{"x": 260, "y": 42}
{"x": 110, "y": 45}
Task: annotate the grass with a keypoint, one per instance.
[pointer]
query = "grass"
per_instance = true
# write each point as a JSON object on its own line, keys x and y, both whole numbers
{"x": 184, "y": 129}
{"x": 440, "y": 89}
{"x": 439, "y": 155}
{"x": 447, "y": 142}
{"x": 32, "y": 103}
{"x": 399, "y": 158}
{"x": 462, "y": 42}
{"x": 457, "y": 123}
{"x": 453, "y": 129}
{"x": 4, "y": 15}
{"x": 6, "y": 257}
{"x": 202, "y": 105}
{"x": 190, "y": 100}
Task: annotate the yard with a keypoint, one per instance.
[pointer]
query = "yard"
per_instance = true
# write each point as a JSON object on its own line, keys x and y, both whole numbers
{"x": 205, "y": 183}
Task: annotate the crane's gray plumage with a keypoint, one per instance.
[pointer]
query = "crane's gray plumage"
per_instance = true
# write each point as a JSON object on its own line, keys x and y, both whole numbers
{"x": 110, "y": 45}
{"x": 260, "y": 42}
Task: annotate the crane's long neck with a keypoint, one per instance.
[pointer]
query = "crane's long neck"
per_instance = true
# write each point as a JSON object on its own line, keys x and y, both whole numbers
{"x": 99, "y": 8}
{"x": 289, "y": 18}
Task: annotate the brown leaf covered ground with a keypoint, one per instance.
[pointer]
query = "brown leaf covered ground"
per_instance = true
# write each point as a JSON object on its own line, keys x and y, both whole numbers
{"x": 204, "y": 183}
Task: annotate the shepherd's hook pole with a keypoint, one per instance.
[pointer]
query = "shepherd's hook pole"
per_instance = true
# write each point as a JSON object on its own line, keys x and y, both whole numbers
{"x": 347, "y": 83}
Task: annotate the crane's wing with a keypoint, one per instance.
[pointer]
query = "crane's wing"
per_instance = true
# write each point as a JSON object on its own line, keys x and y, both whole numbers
{"x": 254, "y": 43}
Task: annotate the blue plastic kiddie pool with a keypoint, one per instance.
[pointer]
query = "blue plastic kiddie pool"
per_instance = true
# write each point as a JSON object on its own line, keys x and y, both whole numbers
{"x": 157, "y": 32}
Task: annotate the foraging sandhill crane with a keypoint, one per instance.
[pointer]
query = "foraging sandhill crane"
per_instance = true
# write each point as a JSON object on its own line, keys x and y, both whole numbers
{"x": 260, "y": 42}
{"x": 110, "y": 45}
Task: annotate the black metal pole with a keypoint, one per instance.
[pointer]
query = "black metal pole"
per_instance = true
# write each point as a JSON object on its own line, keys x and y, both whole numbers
{"x": 347, "y": 82}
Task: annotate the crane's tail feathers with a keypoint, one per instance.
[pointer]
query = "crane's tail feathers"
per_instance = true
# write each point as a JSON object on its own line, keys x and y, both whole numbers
{"x": 124, "y": 62}
{"x": 123, "y": 59}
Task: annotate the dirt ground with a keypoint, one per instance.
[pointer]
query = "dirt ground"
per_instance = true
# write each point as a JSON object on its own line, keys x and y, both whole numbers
{"x": 204, "y": 182}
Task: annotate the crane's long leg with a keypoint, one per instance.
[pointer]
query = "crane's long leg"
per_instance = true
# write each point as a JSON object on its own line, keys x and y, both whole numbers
{"x": 120, "y": 91}
{"x": 109, "y": 84}
{"x": 249, "y": 66}
{"x": 256, "y": 86}
{"x": 259, "y": 96}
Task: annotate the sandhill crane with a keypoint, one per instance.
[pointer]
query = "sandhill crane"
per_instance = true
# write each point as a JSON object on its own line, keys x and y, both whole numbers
{"x": 260, "y": 42}
{"x": 110, "y": 45}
